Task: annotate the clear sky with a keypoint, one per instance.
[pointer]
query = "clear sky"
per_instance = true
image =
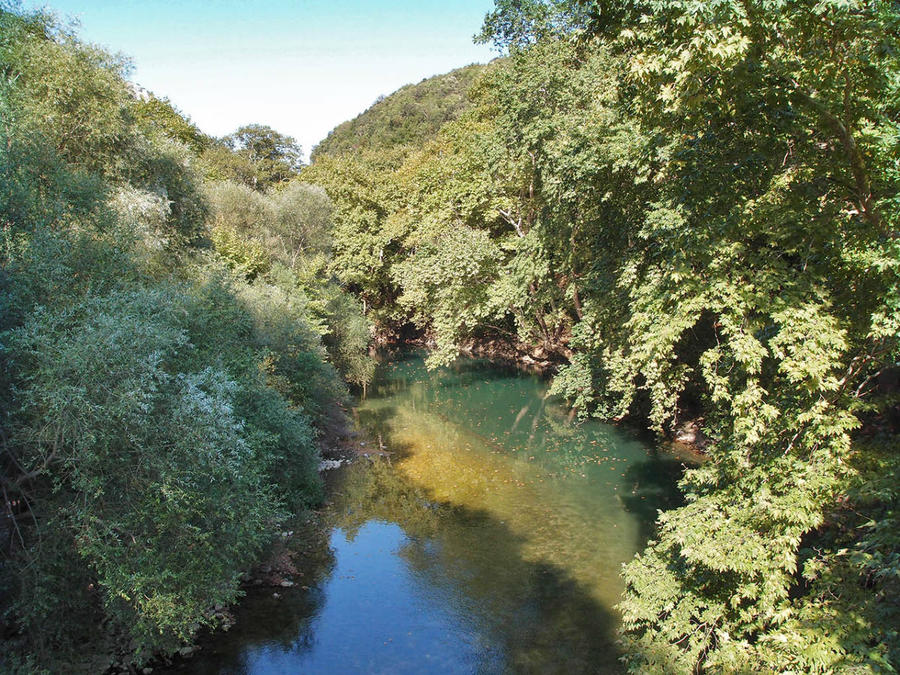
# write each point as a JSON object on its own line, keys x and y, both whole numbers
{"x": 300, "y": 66}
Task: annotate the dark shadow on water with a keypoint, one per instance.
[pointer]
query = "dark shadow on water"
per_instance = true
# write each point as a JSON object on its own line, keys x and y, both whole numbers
{"x": 455, "y": 578}
{"x": 652, "y": 486}
{"x": 281, "y": 619}
{"x": 506, "y": 614}
{"x": 536, "y": 617}
{"x": 529, "y": 617}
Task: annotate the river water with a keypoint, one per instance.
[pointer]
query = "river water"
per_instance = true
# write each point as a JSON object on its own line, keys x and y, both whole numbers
{"x": 491, "y": 540}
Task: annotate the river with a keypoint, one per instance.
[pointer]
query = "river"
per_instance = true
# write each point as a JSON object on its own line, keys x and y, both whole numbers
{"x": 491, "y": 541}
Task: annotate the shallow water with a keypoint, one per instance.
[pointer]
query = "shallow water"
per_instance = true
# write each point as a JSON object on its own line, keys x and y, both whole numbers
{"x": 491, "y": 542}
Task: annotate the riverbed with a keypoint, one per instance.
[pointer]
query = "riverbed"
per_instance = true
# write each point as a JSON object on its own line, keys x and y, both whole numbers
{"x": 489, "y": 539}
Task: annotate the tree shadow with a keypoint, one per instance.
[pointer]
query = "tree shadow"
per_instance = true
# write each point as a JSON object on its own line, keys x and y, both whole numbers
{"x": 528, "y": 616}
{"x": 510, "y": 610}
{"x": 508, "y": 613}
{"x": 652, "y": 486}
{"x": 534, "y": 617}
{"x": 276, "y": 618}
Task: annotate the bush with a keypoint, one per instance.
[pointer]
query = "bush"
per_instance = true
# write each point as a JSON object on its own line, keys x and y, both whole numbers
{"x": 281, "y": 239}
{"x": 157, "y": 413}
{"x": 144, "y": 466}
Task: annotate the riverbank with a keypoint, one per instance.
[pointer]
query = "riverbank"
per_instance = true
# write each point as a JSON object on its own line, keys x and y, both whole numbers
{"x": 687, "y": 437}
{"x": 281, "y": 569}
{"x": 481, "y": 467}
{"x": 491, "y": 538}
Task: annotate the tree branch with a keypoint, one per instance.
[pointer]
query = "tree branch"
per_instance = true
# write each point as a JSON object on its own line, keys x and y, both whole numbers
{"x": 863, "y": 186}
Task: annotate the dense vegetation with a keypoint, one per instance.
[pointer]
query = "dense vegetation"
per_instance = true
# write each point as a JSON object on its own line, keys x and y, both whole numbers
{"x": 691, "y": 205}
{"x": 694, "y": 206}
{"x": 169, "y": 351}
{"x": 397, "y": 124}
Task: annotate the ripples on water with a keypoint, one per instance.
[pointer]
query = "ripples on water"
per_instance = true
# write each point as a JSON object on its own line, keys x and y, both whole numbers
{"x": 492, "y": 542}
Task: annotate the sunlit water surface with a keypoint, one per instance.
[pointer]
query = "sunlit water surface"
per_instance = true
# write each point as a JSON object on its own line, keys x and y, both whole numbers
{"x": 491, "y": 543}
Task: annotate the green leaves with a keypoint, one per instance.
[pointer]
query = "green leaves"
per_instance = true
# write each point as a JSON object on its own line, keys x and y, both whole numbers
{"x": 694, "y": 204}
{"x": 449, "y": 276}
{"x": 159, "y": 412}
{"x": 73, "y": 94}
{"x": 747, "y": 210}
{"x": 396, "y": 125}
{"x": 143, "y": 460}
{"x": 273, "y": 157}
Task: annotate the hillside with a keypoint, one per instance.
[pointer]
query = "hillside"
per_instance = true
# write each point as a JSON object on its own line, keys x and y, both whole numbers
{"x": 408, "y": 117}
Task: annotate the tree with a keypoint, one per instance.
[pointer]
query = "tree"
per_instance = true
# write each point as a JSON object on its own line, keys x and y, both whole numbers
{"x": 158, "y": 414}
{"x": 363, "y": 249}
{"x": 74, "y": 95}
{"x": 275, "y": 158}
{"x": 396, "y": 125}
{"x": 159, "y": 114}
{"x": 757, "y": 279}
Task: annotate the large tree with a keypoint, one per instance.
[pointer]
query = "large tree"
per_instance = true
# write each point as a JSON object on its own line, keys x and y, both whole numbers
{"x": 274, "y": 157}
{"x": 760, "y": 281}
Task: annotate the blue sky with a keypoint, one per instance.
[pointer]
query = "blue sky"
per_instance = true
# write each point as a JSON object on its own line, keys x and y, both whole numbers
{"x": 300, "y": 66}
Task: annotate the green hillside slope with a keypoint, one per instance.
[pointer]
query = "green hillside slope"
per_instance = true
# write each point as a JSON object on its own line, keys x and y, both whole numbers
{"x": 408, "y": 117}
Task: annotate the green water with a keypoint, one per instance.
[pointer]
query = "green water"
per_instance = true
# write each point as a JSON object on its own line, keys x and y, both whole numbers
{"x": 491, "y": 542}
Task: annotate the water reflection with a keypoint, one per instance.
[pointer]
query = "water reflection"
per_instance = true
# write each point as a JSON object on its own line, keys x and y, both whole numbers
{"x": 491, "y": 542}
{"x": 509, "y": 613}
{"x": 578, "y": 495}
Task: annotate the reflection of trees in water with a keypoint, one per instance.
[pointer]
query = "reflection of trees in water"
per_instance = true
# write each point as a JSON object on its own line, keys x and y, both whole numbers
{"x": 535, "y": 616}
{"x": 526, "y": 616}
{"x": 262, "y": 620}
{"x": 408, "y": 369}
{"x": 530, "y": 616}
{"x": 508, "y": 574}
{"x": 652, "y": 487}
{"x": 565, "y": 486}
{"x": 450, "y": 388}
{"x": 506, "y": 410}
{"x": 374, "y": 491}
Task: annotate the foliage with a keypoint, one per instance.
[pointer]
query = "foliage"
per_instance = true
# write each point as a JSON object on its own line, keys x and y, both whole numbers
{"x": 159, "y": 412}
{"x": 349, "y": 334}
{"x": 246, "y": 257}
{"x": 362, "y": 248}
{"x": 159, "y": 115}
{"x": 149, "y": 473}
{"x": 254, "y": 155}
{"x": 521, "y": 23}
{"x": 503, "y": 172}
{"x": 166, "y": 168}
{"x": 301, "y": 222}
{"x": 444, "y": 275}
{"x": 282, "y": 238}
{"x": 694, "y": 205}
{"x": 73, "y": 94}
{"x": 396, "y": 124}
{"x": 221, "y": 163}
{"x": 274, "y": 157}
{"x": 756, "y": 268}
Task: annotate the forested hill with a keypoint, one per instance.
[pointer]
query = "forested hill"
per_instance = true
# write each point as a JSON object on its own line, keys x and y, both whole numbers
{"x": 405, "y": 119}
